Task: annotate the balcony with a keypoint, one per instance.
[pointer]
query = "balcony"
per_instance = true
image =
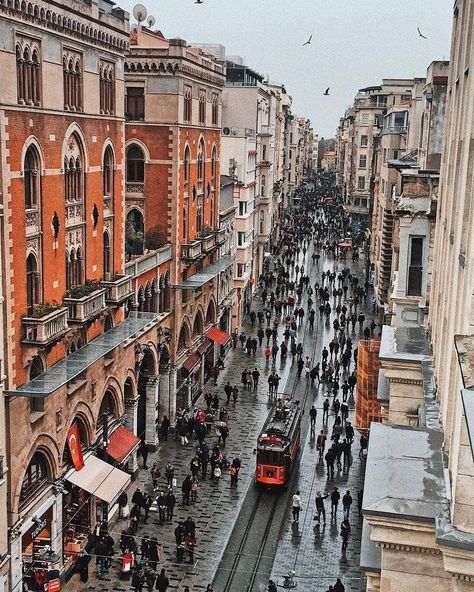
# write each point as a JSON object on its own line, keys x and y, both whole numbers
{"x": 266, "y": 130}
{"x": 32, "y": 222}
{"x": 86, "y": 307}
{"x": 74, "y": 213}
{"x": 134, "y": 188}
{"x": 191, "y": 251}
{"x": 118, "y": 290}
{"x": 395, "y": 129}
{"x": 152, "y": 260}
{"x": 264, "y": 163}
{"x": 47, "y": 329}
{"x": 220, "y": 237}
{"x": 208, "y": 243}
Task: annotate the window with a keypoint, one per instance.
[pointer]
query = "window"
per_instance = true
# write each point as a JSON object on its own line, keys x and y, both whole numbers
{"x": 135, "y": 165}
{"x": 199, "y": 213}
{"x": 107, "y": 257}
{"x": 32, "y": 283}
{"x": 214, "y": 167}
{"x": 395, "y": 154}
{"x": 186, "y": 165}
{"x": 74, "y": 275}
{"x": 361, "y": 183}
{"x": 242, "y": 208}
{"x": 72, "y": 76}
{"x": 135, "y": 103}
{"x": 108, "y": 172}
{"x": 215, "y": 110}
{"x": 363, "y": 161}
{"x": 107, "y": 88}
{"x": 200, "y": 164}
{"x": 240, "y": 269}
{"x": 264, "y": 152}
{"x": 74, "y": 171}
{"x": 365, "y": 119}
{"x": 364, "y": 141}
{"x": 28, "y": 72}
{"x": 261, "y": 222}
{"x": 188, "y": 97}
{"x": 415, "y": 268}
{"x": 405, "y": 98}
{"x": 263, "y": 191}
{"x": 32, "y": 178}
{"x": 36, "y": 476}
{"x": 240, "y": 239}
{"x": 202, "y": 106}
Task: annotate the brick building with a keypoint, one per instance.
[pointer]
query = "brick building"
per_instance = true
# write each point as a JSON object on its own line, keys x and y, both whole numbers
{"x": 173, "y": 111}
{"x": 79, "y": 364}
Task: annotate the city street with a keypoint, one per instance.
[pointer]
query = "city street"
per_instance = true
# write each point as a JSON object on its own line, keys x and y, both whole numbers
{"x": 219, "y": 506}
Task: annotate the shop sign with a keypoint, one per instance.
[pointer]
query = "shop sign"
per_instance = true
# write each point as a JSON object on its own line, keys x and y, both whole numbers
{"x": 39, "y": 527}
{"x": 75, "y": 448}
{"x": 54, "y": 585}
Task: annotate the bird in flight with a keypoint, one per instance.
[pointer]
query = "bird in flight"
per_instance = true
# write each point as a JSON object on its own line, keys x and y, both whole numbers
{"x": 420, "y": 33}
{"x": 309, "y": 41}
{"x": 326, "y": 92}
{"x": 198, "y": 2}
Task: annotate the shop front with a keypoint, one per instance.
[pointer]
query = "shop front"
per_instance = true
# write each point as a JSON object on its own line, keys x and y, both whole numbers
{"x": 36, "y": 545}
{"x": 222, "y": 342}
{"x": 189, "y": 383}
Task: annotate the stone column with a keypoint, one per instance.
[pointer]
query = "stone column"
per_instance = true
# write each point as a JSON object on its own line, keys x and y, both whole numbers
{"x": 172, "y": 393}
{"x": 164, "y": 398}
{"x": 131, "y": 417}
{"x": 152, "y": 398}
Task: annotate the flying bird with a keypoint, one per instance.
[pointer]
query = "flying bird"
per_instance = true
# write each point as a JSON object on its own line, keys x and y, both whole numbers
{"x": 326, "y": 92}
{"x": 198, "y": 2}
{"x": 309, "y": 41}
{"x": 420, "y": 33}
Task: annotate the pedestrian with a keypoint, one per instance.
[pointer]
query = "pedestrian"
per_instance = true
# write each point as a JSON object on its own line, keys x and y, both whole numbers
{"x": 345, "y": 532}
{"x": 325, "y": 410}
{"x": 186, "y": 490}
{"x": 312, "y": 414}
{"x": 228, "y": 392}
{"x": 169, "y": 473}
{"x": 255, "y": 377}
{"x": 271, "y": 586}
{"x": 235, "y": 393}
{"x": 321, "y": 444}
{"x": 162, "y": 581}
{"x": 82, "y": 563}
{"x": 162, "y": 506}
{"x": 346, "y": 504}
{"x": 170, "y": 504}
{"x": 124, "y": 510}
{"x": 320, "y": 509}
{"x": 165, "y": 426}
{"x": 150, "y": 577}
{"x": 330, "y": 459}
{"x": 144, "y": 453}
{"x": 155, "y": 475}
{"x": 339, "y": 586}
{"x": 194, "y": 488}
{"x": 179, "y": 533}
{"x": 233, "y": 476}
{"x": 296, "y": 506}
{"x": 335, "y": 497}
{"x": 138, "y": 579}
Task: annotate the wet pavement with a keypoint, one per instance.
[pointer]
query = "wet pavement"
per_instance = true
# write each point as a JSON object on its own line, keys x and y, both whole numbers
{"x": 314, "y": 554}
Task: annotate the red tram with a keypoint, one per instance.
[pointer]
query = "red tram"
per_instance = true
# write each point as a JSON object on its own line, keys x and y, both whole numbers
{"x": 278, "y": 443}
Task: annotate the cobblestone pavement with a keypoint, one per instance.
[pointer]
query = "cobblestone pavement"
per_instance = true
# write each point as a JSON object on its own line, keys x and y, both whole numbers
{"x": 217, "y": 508}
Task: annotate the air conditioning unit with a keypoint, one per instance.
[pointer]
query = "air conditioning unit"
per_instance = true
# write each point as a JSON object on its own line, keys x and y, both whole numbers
{"x": 234, "y": 131}
{"x": 226, "y": 131}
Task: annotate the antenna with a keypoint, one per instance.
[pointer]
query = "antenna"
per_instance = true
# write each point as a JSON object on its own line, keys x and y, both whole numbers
{"x": 151, "y": 21}
{"x": 139, "y": 12}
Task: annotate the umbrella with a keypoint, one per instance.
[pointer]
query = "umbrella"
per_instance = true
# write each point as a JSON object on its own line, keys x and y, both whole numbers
{"x": 345, "y": 245}
{"x": 220, "y": 424}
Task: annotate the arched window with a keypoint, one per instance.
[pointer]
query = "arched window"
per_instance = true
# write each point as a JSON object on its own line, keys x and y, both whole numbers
{"x": 32, "y": 283}
{"x": 211, "y": 313}
{"x": 74, "y": 170}
{"x": 108, "y": 405}
{"x": 36, "y": 476}
{"x": 215, "y": 110}
{"x": 187, "y": 114}
{"x": 134, "y": 233}
{"x": 261, "y": 222}
{"x": 28, "y": 72}
{"x": 214, "y": 167}
{"x": 202, "y": 106}
{"x": 135, "y": 164}
{"x": 264, "y": 152}
{"x": 108, "y": 172}
{"x": 186, "y": 167}
{"x": 35, "y": 78}
{"x": 183, "y": 338}
{"x": 72, "y": 79}
{"x": 263, "y": 184}
{"x": 200, "y": 162}
{"x": 107, "y": 88}
{"x": 31, "y": 178}
{"x": 198, "y": 327}
{"x": 107, "y": 258}
{"x": 20, "y": 75}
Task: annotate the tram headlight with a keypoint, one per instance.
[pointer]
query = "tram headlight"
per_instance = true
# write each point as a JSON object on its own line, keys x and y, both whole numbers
{"x": 269, "y": 473}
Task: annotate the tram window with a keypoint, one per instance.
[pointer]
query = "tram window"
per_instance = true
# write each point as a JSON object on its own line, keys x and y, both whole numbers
{"x": 269, "y": 457}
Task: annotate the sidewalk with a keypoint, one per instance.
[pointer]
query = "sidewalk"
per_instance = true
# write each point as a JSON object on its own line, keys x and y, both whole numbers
{"x": 217, "y": 506}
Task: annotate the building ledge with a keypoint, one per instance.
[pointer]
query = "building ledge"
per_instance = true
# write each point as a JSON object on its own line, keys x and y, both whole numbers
{"x": 404, "y": 344}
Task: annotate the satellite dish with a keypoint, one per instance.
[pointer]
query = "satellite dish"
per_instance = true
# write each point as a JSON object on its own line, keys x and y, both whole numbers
{"x": 139, "y": 12}
{"x": 151, "y": 21}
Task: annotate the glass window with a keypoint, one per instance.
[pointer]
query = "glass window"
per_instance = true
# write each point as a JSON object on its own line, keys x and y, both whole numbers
{"x": 364, "y": 141}
{"x": 415, "y": 268}
{"x": 135, "y": 165}
{"x": 362, "y": 161}
{"x": 135, "y": 103}
{"x": 361, "y": 183}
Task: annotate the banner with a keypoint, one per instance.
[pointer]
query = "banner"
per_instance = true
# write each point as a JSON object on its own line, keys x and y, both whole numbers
{"x": 75, "y": 449}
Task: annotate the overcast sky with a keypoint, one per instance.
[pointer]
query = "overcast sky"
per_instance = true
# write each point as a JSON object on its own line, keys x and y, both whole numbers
{"x": 355, "y": 43}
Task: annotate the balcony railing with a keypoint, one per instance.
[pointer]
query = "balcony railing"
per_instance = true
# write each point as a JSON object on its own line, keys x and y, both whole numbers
{"x": 134, "y": 188}
{"x": 86, "y": 308}
{"x": 264, "y": 163}
{"x": 208, "y": 243}
{"x": 44, "y": 330}
{"x": 220, "y": 237}
{"x": 118, "y": 290}
{"x": 191, "y": 251}
{"x": 32, "y": 222}
{"x": 265, "y": 130}
{"x": 395, "y": 129}
{"x": 149, "y": 261}
{"x": 74, "y": 213}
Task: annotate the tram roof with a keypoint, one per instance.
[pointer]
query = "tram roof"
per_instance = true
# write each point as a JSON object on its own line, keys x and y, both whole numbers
{"x": 282, "y": 419}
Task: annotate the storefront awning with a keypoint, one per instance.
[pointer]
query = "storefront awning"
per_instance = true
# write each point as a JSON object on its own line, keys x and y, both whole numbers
{"x": 219, "y": 336}
{"x": 121, "y": 444}
{"x": 100, "y": 479}
{"x": 191, "y": 362}
{"x": 204, "y": 347}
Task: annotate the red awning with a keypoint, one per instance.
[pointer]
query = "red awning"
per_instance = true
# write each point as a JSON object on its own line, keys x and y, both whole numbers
{"x": 190, "y": 363}
{"x": 217, "y": 335}
{"x": 121, "y": 444}
{"x": 204, "y": 347}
